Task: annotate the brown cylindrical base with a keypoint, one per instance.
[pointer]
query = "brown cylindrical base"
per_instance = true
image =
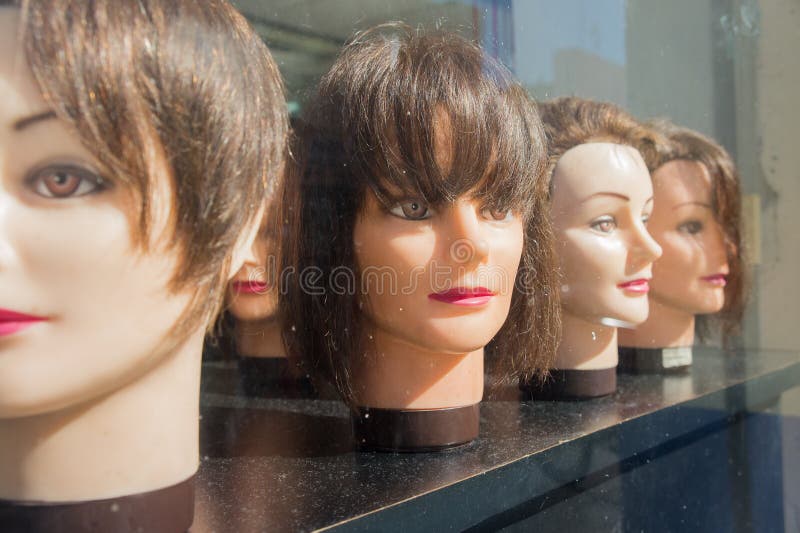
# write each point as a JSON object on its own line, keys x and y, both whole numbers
{"x": 273, "y": 377}
{"x": 655, "y": 360}
{"x": 573, "y": 384}
{"x": 423, "y": 430}
{"x": 167, "y": 510}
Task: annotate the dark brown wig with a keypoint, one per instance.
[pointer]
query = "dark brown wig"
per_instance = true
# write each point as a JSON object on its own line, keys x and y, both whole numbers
{"x": 168, "y": 89}
{"x": 370, "y": 127}
{"x": 726, "y": 204}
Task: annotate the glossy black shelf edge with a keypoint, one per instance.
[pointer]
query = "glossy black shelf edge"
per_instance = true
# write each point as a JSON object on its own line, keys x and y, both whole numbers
{"x": 527, "y": 451}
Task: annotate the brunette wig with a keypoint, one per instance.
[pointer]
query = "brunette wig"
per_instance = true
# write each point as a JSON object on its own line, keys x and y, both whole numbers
{"x": 182, "y": 90}
{"x": 726, "y": 204}
{"x": 571, "y": 121}
{"x": 370, "y": 127}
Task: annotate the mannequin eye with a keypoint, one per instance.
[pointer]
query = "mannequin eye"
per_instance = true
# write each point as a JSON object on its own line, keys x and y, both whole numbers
{"x": 497, "y": 215}
{"x": 66, "y": 182}
{"x": 412, "y": 210}
{"x": 691, "y": 227}
{"x": 645, "y": 219}
{"x": 606, "y": 224}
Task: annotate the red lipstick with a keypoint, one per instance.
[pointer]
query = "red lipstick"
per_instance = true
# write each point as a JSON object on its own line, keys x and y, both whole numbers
{"x": 12, "y": 322}
{"x": 464, "y": 296}
{"x": 638, "y": 286}
{"x": 718, "y": 280}
{"x": 250, "y": 287}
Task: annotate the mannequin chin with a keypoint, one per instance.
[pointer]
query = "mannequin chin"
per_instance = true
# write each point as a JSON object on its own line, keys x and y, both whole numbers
{"x": 100, "y": 337}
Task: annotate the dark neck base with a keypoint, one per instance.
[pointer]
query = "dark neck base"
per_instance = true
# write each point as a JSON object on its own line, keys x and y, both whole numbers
{"x": 655, "y": 360}
{"x": 572, "y": 384}
{"x": 168, "y": 510}
{"x": 423, "y": 430}
{"x": 273, "y": 377}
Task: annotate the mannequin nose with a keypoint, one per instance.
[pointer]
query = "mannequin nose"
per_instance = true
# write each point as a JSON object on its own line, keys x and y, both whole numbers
{"x": 644, "y": 248}
{"x": 468, "y": 243}
{"x": 257, "y": 253}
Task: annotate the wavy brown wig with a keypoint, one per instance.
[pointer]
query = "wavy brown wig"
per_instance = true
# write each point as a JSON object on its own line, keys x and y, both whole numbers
{"x": 370, "y": 127}
{"x": 571, "y": 121}
{"x": 726, "y": 204}
{"x": 182, "y": 90}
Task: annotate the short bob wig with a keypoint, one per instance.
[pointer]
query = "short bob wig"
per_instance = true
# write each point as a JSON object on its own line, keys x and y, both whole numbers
{"x": 726, "y": 204}
{"x": 182, "y": 90}
{"x": 370, "y": 127}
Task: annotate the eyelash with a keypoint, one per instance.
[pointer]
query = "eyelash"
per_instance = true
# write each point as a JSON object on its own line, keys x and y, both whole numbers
{"x": 86, "y": 177}
{"x": 489, "y": 214}
{"x": 399, "y": 211}
{"x": 691, "y": 227}
{"x": 595, "y": 224}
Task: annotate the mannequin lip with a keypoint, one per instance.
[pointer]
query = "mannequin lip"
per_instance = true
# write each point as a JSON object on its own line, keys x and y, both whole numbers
{"x": 250, "y": 287}
{"x": 12, "y": 322}
{"x": 638, "y": 286}
{"x": 464, "y": 296}
{"x": 718, "y": 280}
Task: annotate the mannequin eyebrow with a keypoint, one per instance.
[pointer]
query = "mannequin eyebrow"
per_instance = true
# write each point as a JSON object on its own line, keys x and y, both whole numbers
{"x": 24, "y": 122}
{"x": 614, "y": 194}
{"x": 701, "y": 204}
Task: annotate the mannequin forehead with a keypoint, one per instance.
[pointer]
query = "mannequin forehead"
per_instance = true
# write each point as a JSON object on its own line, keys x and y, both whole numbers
{"x": 681, "y": 182}
{"x": 593, "y": 168}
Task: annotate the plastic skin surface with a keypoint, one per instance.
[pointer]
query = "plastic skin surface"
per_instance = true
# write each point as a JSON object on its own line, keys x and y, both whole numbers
{"x": 689, "y": 278}
{"x": 88, "y": 384}
{"x": 252, "y": 300}
{"x": 454, "y": 268}
{"x": 601, "y": 199}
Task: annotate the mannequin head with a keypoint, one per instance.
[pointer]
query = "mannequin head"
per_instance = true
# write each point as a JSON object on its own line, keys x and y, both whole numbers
{"x": 601, "y": 198}
{"x": 378, "y": 176}
{"x": 127, "y": 179}
{"x": 697, "y": 223}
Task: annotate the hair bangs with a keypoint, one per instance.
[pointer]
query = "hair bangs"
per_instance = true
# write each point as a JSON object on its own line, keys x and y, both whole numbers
{"x": 447, "y": 121}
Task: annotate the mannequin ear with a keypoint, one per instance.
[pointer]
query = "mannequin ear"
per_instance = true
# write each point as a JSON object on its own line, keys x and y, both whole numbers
{"x": 243, "y": 249}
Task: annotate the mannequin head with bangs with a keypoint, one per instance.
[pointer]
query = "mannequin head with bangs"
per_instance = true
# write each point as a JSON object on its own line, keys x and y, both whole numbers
{"x": 419, "y": 170}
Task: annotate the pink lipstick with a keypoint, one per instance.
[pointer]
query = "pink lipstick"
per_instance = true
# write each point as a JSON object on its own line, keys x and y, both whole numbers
{"x": 12, "y": 322}
{"x": 718, "y": 280}
{"x": 464, "y": 296}
{"x": 638, "y": 286}
{"x": 250, "y": 287}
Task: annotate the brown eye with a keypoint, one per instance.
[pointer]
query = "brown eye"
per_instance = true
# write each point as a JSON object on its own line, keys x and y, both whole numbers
{"x": 605, "y": 224}
{"x": 691, "y": 227}
{"x": 65, "y": 182}
{"x": 498, "y": 215}
{"x": 412, "y": 210}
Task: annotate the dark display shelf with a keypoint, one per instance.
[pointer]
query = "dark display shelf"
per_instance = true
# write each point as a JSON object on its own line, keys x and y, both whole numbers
{"x": 283, "y": 464}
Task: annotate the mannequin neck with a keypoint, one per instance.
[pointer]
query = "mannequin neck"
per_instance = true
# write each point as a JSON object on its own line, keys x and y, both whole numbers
{"x": 139, "y": 438}
{"x": 586, "y": 345}
{"x": 394, "y": 374}
{"x": 259, "y": 338}
{"x": 665, "y": 327}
